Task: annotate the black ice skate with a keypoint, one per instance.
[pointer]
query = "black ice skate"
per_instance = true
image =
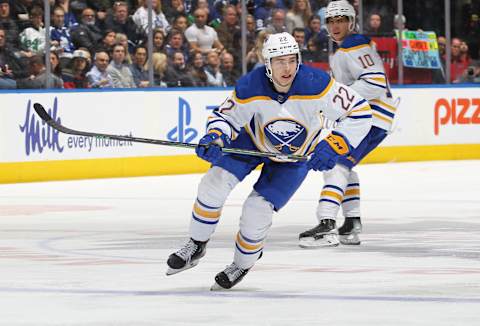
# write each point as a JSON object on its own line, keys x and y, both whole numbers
{"x": 187, "y": 257}
{"x": 349, "y": 231}
{"x": 323, "y": 235}
{"x": 229, "y": 277}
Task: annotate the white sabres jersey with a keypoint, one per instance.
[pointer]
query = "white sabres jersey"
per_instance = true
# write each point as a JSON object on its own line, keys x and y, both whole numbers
{"x": 291, "y": 123}
{"x": 356, "y": 63}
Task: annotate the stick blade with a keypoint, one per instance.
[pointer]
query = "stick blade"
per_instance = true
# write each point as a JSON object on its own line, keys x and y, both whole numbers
{"x": 41, "y": 112}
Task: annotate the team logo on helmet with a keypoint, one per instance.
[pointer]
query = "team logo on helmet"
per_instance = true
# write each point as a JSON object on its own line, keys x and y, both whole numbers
{"x": 287, "y": 136}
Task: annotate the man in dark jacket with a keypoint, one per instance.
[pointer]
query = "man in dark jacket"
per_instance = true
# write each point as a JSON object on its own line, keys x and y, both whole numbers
{"x": 120, "y": 22}
{"x": 177, "y": 74}
{"x": 87, "y": 34}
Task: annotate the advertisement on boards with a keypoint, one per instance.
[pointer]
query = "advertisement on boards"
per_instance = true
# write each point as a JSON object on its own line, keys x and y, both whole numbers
{"x": 166, "y": 115}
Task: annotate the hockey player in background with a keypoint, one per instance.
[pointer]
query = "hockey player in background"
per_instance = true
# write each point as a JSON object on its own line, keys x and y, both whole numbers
{"x": 280, "y": 108}
{"x": 355, "y": 63}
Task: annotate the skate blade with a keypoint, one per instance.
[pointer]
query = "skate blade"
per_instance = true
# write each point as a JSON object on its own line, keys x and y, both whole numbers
{"x": 350, "y": 240}
{"x": 171, "y": 271}
{"x": 217, "y": 287}
{"x": 311, "y": 243}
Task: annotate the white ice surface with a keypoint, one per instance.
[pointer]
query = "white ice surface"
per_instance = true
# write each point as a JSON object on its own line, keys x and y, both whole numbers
{"x": 93, "y": 252}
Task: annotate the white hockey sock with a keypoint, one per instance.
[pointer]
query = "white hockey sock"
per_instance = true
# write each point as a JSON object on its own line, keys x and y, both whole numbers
{"x": 213, "y": 190}
{"x": 255, "y": 222}
{"x": 351, "y": 200}
{"x": 332, "y": 193}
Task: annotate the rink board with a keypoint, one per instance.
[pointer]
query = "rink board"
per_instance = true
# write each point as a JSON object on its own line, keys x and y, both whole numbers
{"x": 435, "y": 123}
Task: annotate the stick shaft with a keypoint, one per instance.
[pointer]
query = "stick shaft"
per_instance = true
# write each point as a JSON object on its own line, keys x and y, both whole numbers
{"x": 52, "y": 123}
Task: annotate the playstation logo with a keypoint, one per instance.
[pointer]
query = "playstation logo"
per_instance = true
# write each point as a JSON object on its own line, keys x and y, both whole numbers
{"x": 182, "y": 132}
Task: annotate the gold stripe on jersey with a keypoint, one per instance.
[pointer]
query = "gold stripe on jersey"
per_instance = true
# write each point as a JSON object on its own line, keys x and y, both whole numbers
{"x": 381, "y": 117}
{"x": 353, "y": 48}
{"x": 379, "y": 79}
{"x": 362, "y": 109}
{"x": 250, "y": 99}
{"x": 384, "y": 105}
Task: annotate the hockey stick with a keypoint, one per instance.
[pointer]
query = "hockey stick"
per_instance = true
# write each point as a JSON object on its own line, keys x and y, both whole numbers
{"x": 55, "y": 125}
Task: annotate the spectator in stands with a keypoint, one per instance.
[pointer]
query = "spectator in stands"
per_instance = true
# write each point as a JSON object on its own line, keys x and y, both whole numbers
{"x": 87, "y": 34}
{"x": 158, "y": 41}
{"x": 197, "y": 70}
{"x": 55, "y": 66}
{"x": 98, "y": 77}
{"x": 213, "y": 17}
{"x": 122, "y": 39}
{"x": 254, "y": 57}
{"x": 399, "y": 23}
{"x": 278, "y": 22}
{"x": 314, "y": 28}
{"x": 108, "y": 41}
{"x": 472, "y": 35}
{"x": 180, "y": 22}
{"x": 60, "y": 38}
{"x": 74, "y": 76}
{"x": 201, "y": 37}
{"x": 313, "y": 53}
{"x": 32, "y": 39}
{"x": 438, "y": 75}
{"x": 212, "y": 69}
{"x": 251, "y": 33}
{"x": 10, "y": 65}
{"x": 442, "y": 46}
{"x": 299, "y": 35}
{"x": 263, "y": 12}
{"x": 230, "y": 74}
{"x": 299, "y": 15}
{"x": 120, "y": 22}
{"x": 175, "y": 9}
{"x": 464, "y": 51}
{"x": 472, "y": 74}
{"x": 458, "y": 64}
{"x": 374, "y": 25}
{"x": 177, "y": 74}
{"x": 140, "y": 74}
{"x": 176, "y": 42}
{"x": 38, "y": 77}
{"x": 7, "y": 23}
{"x": 119, "y": 71}
{"x": 20, "y": 12}
{"x": 229, "y": 32}
{"x": 69, "y": 20}
{"x": 159, "y": 21}
{"x": 159, "y": 64}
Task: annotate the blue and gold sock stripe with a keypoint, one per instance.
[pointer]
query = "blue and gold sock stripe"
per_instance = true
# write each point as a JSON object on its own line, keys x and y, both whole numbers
{"x": 206, "y": 214}
{"x": 352, "y": 192}
{"x": 248, "y": 246}
{"x": 331, "y": 194}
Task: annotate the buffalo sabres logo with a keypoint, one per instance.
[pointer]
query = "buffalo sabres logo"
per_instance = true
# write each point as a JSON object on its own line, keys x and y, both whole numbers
{"x": 287, "y": 136}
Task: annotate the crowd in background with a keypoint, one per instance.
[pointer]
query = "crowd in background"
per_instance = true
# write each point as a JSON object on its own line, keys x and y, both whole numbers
{"x": 103, "y": 43}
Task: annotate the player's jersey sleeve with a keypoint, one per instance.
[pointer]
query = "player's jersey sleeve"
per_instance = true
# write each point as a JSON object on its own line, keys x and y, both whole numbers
{"x": 231, "y": 116}
{"x": 350, "y": 111}
{"x": 360, "y": 59}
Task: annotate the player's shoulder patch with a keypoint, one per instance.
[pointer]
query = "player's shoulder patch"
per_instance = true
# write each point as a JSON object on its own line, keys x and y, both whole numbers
{"x": 354, "y": 41}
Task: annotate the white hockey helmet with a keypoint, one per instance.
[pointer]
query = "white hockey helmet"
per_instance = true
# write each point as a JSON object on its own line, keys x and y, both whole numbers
{"x": 340, "y": 8}
{"x": 277, "y": 45}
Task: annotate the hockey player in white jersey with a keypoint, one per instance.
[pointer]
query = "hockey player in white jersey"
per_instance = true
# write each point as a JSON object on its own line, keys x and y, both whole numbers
{"x": 355, "y": 63}
{"x": 276, "y": 108}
